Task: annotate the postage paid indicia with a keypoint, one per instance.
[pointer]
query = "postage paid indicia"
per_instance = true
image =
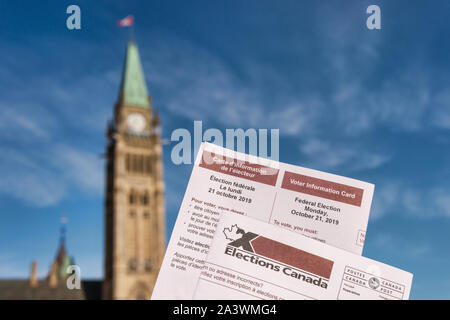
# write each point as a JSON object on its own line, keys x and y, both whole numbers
{"x": 325, "y": 207}
{"x": 250, "y": 259}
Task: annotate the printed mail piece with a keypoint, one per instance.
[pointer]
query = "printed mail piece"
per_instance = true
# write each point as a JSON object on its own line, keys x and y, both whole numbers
{"x": 323, "y": 206}
{"x": 250, "y": 259}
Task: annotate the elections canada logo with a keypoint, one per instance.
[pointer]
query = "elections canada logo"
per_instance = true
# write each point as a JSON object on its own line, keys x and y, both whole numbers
{"x": 277, "y": 256}
{"x": 233, "y": 233}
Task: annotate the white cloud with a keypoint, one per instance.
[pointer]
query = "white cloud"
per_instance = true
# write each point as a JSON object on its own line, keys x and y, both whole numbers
{"x": 196, "y": 83}
{"x": 441, "y": 200}
{"x": 292, "y": 120}
{"x": 44, "y": 178}
{"x": 23, "y": 122}
{"x": 419, "y": 250}
{"x": 330, "y": 155}
{"x": 199, "y": 85}
{"x": 394, "y": 244}
{"x": 23, "y": 177}
{"x": 382, "y": 240}
{"x": 407, "y": 201}
{"x": 12, "y": 121}
{"x": 385, "y": 199}
{"x": 84, "y": 168}
{"x": 441, "y": 110}
{"x": 39, "y": 113}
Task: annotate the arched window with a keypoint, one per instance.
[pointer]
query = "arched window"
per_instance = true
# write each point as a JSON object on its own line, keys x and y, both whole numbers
{"x": 148, "y": 165}
{"x": 127, "y": 162}
{"x": 145, "y": 198}
{"x": 148, "y": 265}
{"x": 132, "y": 264}
{"x": 140, "y": 166}
{"x": 134, "y": 165}
{"x": 132, "y": 197}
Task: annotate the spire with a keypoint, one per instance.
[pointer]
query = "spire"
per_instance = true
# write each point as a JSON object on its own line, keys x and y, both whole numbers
{"x": 133, "y": 89}
{"x": 62, "y": 234}
{"x": 53, "y": 276}
{"x": 61, "y": 256}
{"x": 62, "y": 242}
{"x": 33, "y": 276}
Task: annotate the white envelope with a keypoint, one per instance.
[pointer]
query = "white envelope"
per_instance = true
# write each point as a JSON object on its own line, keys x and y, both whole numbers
{"x": 251, "y": 259}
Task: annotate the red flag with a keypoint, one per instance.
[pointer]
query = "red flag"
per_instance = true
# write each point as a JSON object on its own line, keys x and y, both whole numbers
{"x": 126, "y": 22}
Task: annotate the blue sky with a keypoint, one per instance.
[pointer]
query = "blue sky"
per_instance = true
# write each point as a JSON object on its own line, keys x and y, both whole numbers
{"x": 371, "y": 105}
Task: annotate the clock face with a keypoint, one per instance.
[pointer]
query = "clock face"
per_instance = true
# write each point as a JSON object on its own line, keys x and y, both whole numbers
{"x": 136, "y": 122}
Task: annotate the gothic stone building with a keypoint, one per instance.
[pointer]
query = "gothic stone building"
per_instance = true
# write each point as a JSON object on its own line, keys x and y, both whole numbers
{"x": 134, "y": 206}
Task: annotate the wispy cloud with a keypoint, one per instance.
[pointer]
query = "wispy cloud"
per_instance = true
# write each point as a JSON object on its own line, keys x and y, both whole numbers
{"x": 198, "y": 84}
{"x": 24, "y": 178}
{"x": 11, "y": 122}
{"x": 441, "y": 200}
{"x": 35, "y": 167}
{"x": 84, "y": 168}
{"x": 330, "y": 155}
{"x": 44, "y": 179}
{"x": 398, "y": 198}
{"x": 391, "y": 244}
{"x": 45, "y": 118}
{"x": 441, "y": 110}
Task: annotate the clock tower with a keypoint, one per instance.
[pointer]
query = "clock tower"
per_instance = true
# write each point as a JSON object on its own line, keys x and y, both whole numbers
{"x": 134, "y": 207}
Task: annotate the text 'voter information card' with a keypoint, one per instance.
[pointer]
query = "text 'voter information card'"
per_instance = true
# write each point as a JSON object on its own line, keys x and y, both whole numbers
{"x": 323, "y": 206}
{"x": 251, "y": 259}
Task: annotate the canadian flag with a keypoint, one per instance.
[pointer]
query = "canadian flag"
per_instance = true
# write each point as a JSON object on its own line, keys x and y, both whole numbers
{"x": 126, "y": 22}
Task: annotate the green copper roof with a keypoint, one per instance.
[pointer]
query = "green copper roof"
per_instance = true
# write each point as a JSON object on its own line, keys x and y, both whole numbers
{"x": 133, "y": 85}
{"x": 63, "y": 268}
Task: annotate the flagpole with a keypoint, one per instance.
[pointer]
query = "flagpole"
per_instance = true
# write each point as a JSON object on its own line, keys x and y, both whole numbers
{"x": 128, "y": 22}
{"x": 132, "y": 31}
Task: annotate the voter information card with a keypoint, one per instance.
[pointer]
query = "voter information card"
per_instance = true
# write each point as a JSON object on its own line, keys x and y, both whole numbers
{"x": 326, "y": 207}
{"x": 250, "y": 259}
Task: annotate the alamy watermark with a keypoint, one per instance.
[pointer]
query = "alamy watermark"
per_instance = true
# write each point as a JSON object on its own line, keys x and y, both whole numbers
{"x": 74, "y": 279}
{"x": 255, "y": 141}
{"x": 73, "y": 21}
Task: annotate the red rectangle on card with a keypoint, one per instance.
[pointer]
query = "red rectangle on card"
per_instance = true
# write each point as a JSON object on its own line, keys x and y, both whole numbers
{"x": 322, "y": 188}
{"x": 239, "y": 168}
